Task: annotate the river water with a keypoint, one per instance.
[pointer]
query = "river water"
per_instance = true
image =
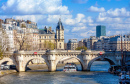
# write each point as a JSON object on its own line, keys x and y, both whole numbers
{"x": 97, "y": 75}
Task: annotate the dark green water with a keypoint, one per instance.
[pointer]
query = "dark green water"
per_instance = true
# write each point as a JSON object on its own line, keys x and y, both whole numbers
{"x": 98, "y": 75}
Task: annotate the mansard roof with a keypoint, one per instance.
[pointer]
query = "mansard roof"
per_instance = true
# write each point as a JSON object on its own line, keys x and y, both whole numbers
{"x": 60, "y": 24}
{"x": 46, "y": 31}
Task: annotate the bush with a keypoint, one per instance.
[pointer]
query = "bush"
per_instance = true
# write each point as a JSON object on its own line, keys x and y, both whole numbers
{"x": 82, "y": 47}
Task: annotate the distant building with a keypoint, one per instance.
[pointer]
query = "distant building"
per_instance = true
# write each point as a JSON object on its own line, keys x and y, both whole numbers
{"x": 102, "y": 43}
{"x": 80, "y": 43}
{"x": 65, "y": 46}
{"x": 72, "y": 44}
{"x": 100, "y": 31}
{"x": 115, "y": 43}
{"x": 89, "y": 43}
{"x": 48, "y": 39}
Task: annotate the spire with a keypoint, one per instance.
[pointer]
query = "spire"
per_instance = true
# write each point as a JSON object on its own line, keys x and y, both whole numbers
{"x": 59, "y": 19}
{"x": 59, "y": 25}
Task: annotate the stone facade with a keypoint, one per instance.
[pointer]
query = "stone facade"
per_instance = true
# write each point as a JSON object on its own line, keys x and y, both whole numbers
{"x": 60, "y": 35}
{"x": 72, "y": 44}
{"x": 51, "y": 40}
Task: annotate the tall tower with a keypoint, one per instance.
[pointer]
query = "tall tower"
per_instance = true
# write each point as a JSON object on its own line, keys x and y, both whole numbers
{"x": 60, "y": 35}
{"x": 100, "y": 30}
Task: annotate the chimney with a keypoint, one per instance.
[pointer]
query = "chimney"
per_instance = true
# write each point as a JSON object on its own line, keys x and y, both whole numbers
{"x": 49, "y": 28}
{"x": 0, "y": 23}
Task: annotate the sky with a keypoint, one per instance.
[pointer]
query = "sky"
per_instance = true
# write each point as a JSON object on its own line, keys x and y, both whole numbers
{"x": 79, "y": 17}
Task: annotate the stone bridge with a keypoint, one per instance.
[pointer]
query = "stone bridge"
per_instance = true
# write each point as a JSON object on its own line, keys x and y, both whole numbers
{"x": 53, "y": 57}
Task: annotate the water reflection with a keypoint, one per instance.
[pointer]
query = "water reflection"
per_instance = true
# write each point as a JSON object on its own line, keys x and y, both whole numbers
{"x": 100, "y": 66}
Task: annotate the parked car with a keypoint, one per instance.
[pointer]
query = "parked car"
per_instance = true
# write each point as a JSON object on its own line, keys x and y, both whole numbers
{"x": 5, "y": 67}
{"x": 2, "y": 67}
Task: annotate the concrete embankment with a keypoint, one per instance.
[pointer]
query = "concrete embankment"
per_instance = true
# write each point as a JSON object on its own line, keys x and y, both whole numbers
{"x": 6, "y": 72}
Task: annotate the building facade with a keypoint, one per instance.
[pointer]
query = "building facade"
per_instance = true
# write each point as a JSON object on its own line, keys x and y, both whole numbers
{"x": 72, "y": 44}
{"x": 48, "y": 39}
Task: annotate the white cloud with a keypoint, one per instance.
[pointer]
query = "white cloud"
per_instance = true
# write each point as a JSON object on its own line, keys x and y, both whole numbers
{"x": 96, "y": 9}
{"x": 79, "y": 17}
{"x": 89, "y": 19}
{"x": 70, "y": 21}
{"x": 34, "y": 7}
{"x": 127, "y": 20}
{"x": 88, "y": 33}
{"x": 116, "y": 13}
{"x": 67, "y": 19}
{"x": 120, "y": 26}
{"x": 108, "y": 19}
{"x": 78, "y": 28}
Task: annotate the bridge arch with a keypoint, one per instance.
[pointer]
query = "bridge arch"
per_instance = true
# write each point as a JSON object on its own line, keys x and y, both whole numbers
{"x": 26, "y": 64}
{"x": 6, "y": 60}
{"x": 79, "y": 60}
{"x": 111, "y": 62}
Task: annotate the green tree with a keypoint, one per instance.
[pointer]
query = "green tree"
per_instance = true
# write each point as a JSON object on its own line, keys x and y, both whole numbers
{"x": 1, "y": 54}
{"x": 49, "y": 45}
{"x": 82, "y": 47}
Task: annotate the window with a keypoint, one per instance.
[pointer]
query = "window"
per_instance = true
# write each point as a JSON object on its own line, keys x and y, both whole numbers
{"x": 49, "y": 36}
{"x": 60, "y": 45}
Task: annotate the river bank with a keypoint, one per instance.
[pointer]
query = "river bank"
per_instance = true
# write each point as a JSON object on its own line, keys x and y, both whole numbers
{"x": 6, "y": 72}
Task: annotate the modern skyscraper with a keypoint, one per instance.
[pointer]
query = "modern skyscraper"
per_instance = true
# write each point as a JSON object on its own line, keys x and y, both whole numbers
{"x": 100, "y": 30}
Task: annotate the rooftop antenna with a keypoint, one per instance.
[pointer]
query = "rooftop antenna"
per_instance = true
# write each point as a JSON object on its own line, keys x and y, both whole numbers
{"x": 60, "y": 18}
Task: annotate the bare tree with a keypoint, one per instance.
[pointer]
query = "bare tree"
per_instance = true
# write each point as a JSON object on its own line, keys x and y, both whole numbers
{"x": 4, "y": 42}
{"x": 23, "y": 39}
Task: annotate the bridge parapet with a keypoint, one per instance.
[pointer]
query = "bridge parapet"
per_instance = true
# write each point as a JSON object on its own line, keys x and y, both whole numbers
{"x": 62, "y": 52}
{"x": 89, "y": 52}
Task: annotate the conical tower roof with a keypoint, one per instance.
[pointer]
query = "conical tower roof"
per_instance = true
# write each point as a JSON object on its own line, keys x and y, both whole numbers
{"x": 59, "y": 25}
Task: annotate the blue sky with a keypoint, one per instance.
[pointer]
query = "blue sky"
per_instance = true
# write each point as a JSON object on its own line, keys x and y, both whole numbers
{"x": 79, "y": 17}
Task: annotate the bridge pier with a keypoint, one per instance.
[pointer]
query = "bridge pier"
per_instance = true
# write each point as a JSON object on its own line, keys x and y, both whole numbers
{"x": 52, "y": 64}
{"x": 86, "y": 59}
{"x": 118, "y": 59}
{"x": 20, "y": 63}
{"x": 20, "y": 66}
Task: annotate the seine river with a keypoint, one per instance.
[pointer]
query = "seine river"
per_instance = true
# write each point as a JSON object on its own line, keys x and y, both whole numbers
{"x": 97, "y": 75}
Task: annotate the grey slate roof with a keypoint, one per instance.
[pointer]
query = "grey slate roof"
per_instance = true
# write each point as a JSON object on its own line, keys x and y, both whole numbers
{"x": 60, "y": 24}
{"x": 72, "y": 41}
{"x": 46, "y": 31}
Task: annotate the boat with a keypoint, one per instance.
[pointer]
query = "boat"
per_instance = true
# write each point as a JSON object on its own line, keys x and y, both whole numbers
{"x": 70, "y": 67}
{"x": 115, "y": 69}
{"x": 124, "y": 78}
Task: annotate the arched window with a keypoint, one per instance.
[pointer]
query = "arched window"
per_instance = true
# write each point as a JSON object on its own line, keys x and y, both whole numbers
{"x": 60, "y": 45}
